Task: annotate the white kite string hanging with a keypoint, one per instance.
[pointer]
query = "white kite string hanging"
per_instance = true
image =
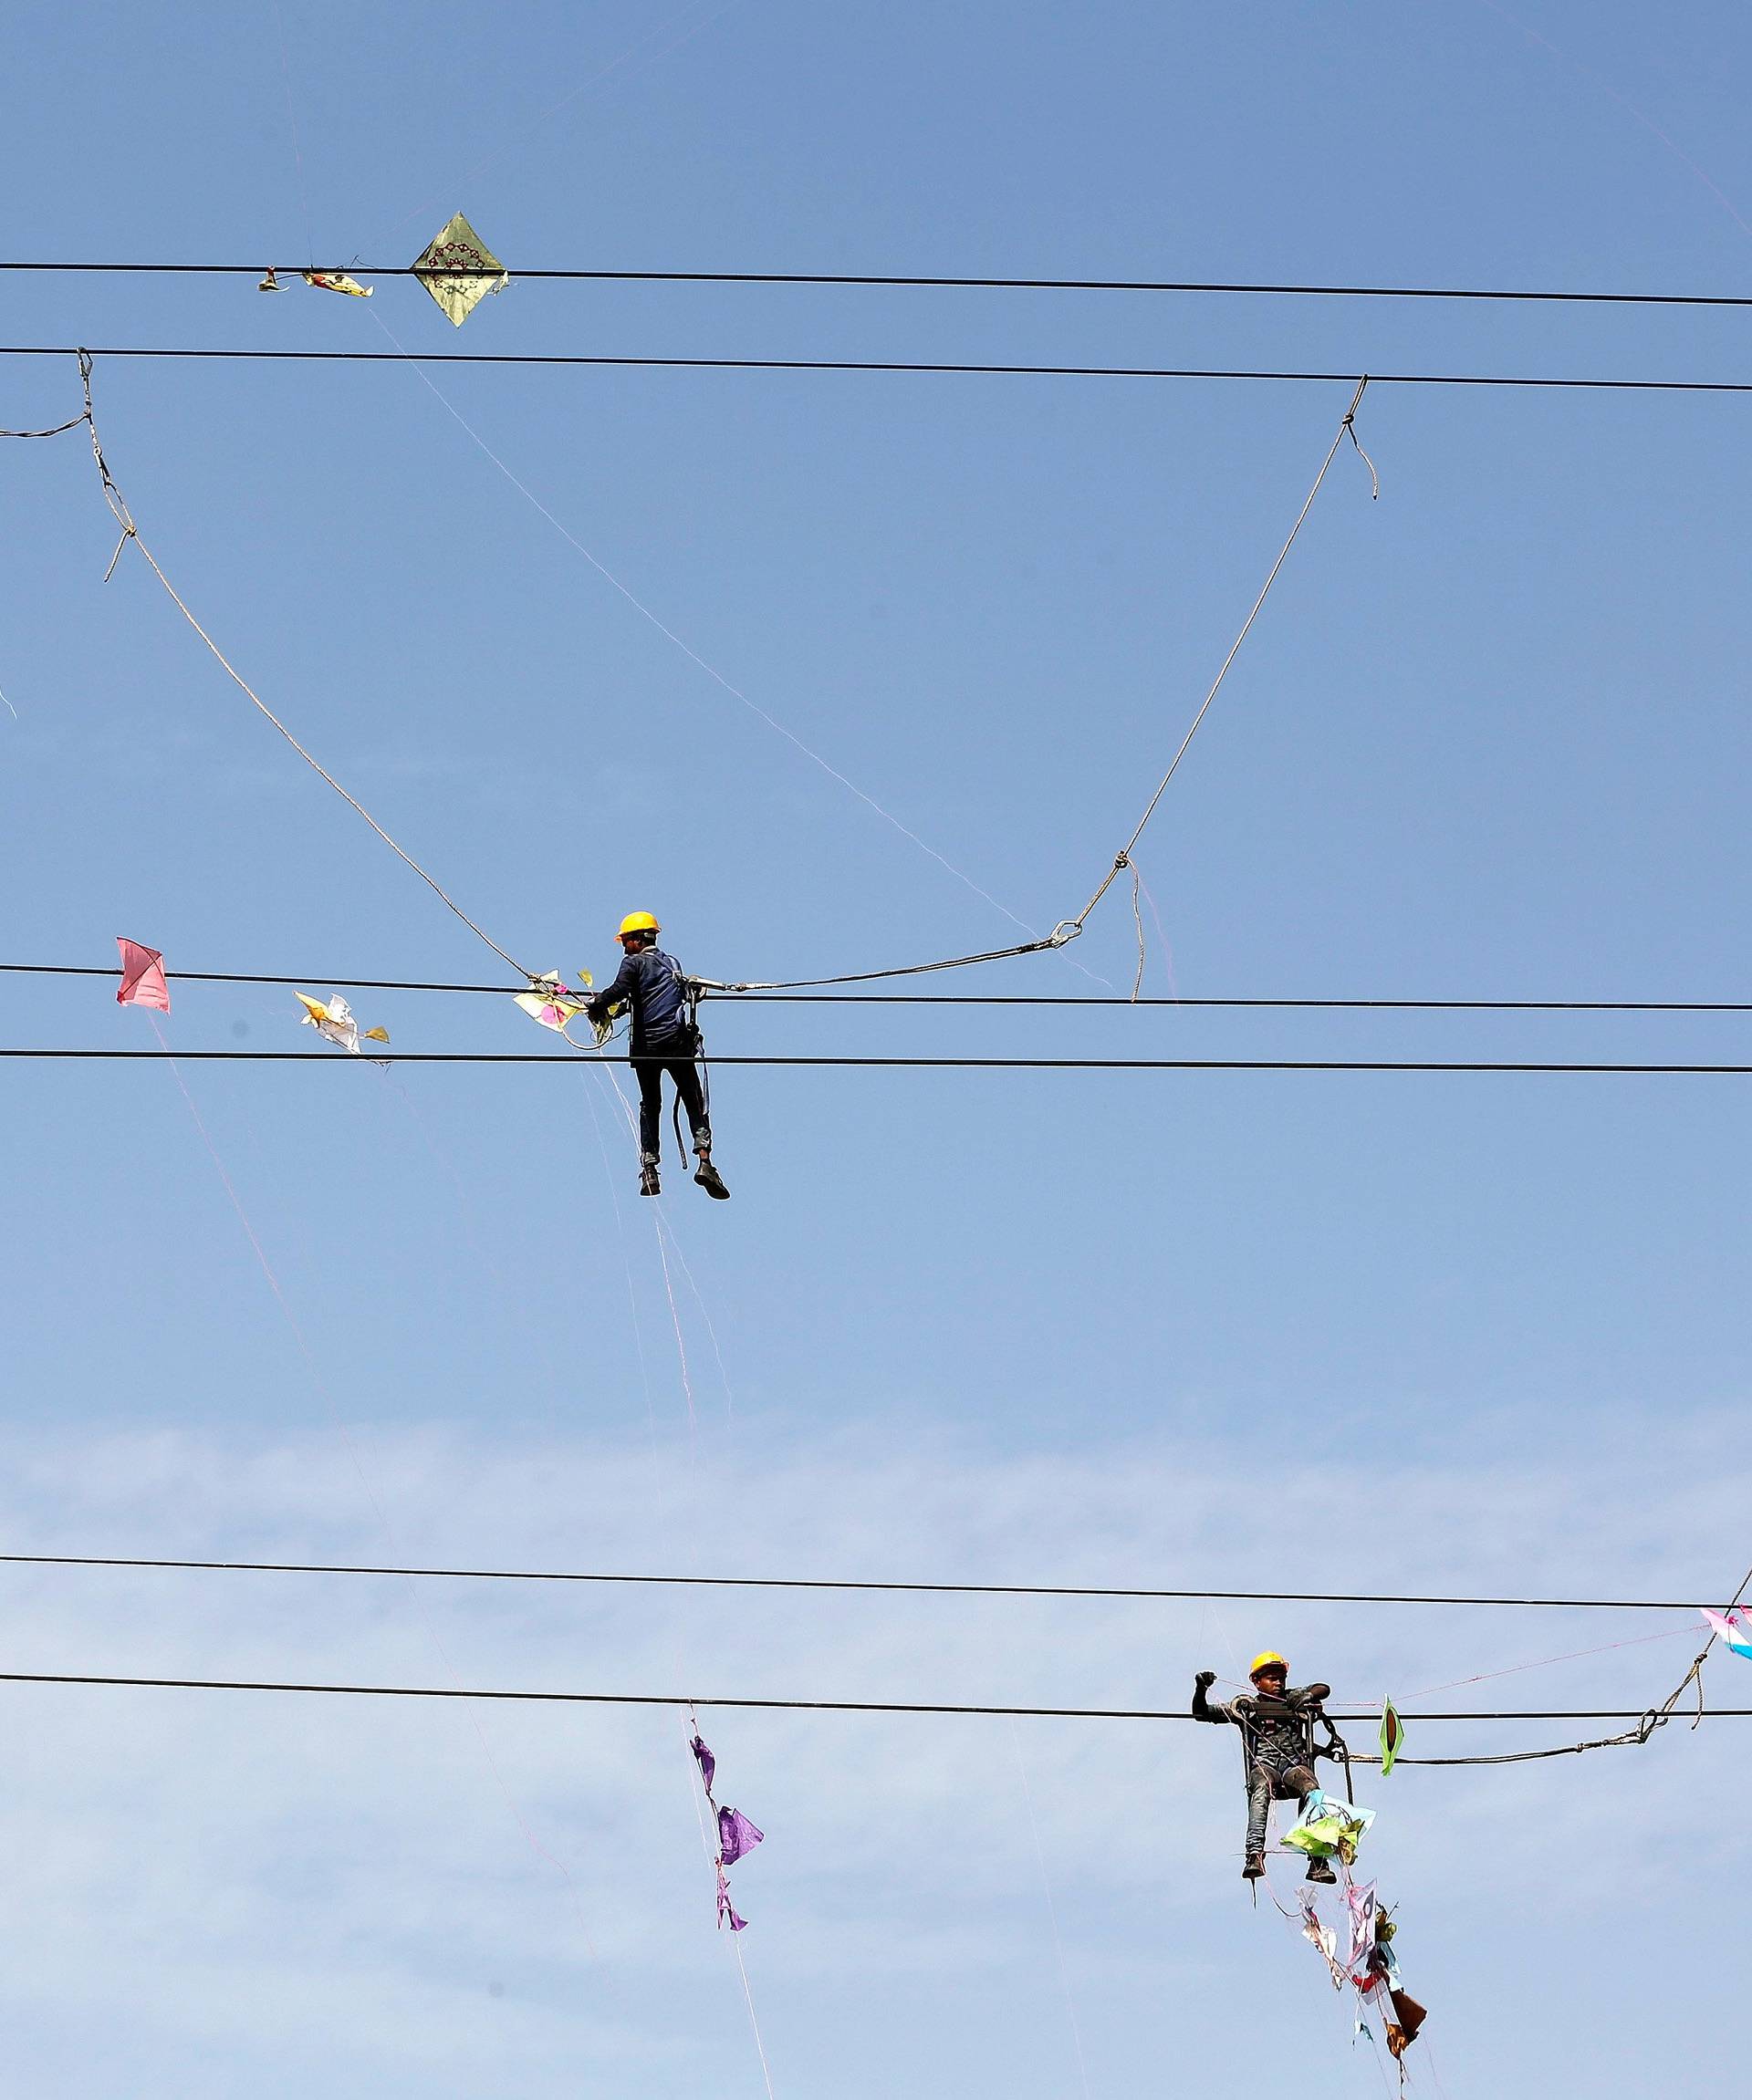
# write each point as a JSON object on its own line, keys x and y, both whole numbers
{"x": 131, "y": 531}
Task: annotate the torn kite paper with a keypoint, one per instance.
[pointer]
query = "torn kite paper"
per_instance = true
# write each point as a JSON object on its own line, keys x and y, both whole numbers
{"x": 331, "y": 281}
{"x": 333, "y": 1020}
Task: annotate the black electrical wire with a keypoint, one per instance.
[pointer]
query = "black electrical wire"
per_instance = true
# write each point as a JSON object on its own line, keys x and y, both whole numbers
{"x": 943, "y": 998}
{"x": 829, "y": 1583}
{"x": 882, "y": 280}
{"x": 883, "y": 365}
{"x": 761, "y": 1705}
{"x": 378, "y": 1057}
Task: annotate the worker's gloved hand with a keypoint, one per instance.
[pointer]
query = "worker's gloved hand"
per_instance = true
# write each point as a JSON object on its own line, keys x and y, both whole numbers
{"x": 1206, "y": 1678}
{"x": 1319, "y": 1691}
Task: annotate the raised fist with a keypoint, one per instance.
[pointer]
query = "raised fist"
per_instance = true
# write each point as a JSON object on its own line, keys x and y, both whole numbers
{"x": 1206, "y": 1678}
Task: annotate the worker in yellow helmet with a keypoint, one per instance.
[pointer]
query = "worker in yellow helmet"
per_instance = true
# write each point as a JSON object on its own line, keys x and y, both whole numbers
{"x": 651, "y": 990}
{"x": 1277, "y": 1726}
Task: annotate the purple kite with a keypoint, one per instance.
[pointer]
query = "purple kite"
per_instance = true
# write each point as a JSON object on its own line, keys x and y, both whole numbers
{"x": 708, "y": 1764}
{"x": 143, "y": 977}
{"x": 736, "y": 1836}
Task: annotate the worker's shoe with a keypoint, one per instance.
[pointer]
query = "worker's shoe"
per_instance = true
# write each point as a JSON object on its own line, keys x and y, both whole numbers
{"x": 1253, "y": 1866}
{"x": 1320, "y": 1870}
{"x": 708, "y": 1177}
{"x": 649, "y": 1185}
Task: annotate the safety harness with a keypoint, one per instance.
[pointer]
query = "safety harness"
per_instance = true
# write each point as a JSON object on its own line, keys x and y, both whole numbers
{"x": 1304, "y": 1719}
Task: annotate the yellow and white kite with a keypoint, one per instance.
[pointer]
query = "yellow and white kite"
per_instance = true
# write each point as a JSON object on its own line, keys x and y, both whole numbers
{"x": 333, "y": 1020}
{"x": 555, "y": 1005}
{"x": 459, "y": 270}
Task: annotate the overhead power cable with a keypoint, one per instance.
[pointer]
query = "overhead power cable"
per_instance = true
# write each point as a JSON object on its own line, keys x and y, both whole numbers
{"x": 578, "y": 360}
{"x": 835, "y": 278}
{"x": 759, "y": 1705}
{"x": 925, "y": 1064}
{"x": 341, "y": 980}
{"x": 1131, "y": 1595}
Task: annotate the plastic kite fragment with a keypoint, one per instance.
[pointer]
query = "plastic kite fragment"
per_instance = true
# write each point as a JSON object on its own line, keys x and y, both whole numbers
{"x": 1327, "y": 1940}
{"x": 727, "y": 1911}
{"x": 459, "y": 270}
{"x": 143, "y": 977}
{"x": 1733, "y": 1627}
{"x": 1403, "y": 2028}
{"x": 736, "y": 1836}
{"x": 327, "y": 281}
{"x": 1359, "y": 1902}
{"x": 333, "y": 1020}
{"x": 1329, "y": 1828}
{"x": 270, "y": 283}
{"x": 1392, "y": 1736}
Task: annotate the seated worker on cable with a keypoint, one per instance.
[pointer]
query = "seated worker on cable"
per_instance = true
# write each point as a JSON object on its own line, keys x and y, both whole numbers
{"x": 650, "y": 987}
{"x": 1277, "y": 1726}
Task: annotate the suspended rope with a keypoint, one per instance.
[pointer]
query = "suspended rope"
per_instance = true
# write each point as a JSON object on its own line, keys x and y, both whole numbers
{"x": 72, "y": 423}
{"x": 131, "y": 531}
{"x": 1123, "y": 859}
{"x": 1067, "y": 929}
{"x": 1656, "y": 1717}
{"x": 1056, "y": 939}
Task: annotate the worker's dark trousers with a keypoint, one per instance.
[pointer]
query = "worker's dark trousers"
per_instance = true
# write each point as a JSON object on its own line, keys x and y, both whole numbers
{"x": 650, "y": 1068}
{"x": 1264, "y": 1787}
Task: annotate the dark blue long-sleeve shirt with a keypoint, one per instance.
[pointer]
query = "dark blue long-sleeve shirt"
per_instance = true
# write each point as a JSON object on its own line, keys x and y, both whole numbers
{"x": 651, "y": 986}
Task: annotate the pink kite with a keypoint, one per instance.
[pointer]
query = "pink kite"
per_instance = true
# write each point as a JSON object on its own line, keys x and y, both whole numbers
{"x": 1734, "y": 1626}
{"x": 143, "y": 977}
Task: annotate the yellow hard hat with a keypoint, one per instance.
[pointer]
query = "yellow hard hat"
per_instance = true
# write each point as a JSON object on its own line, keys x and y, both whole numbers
{"x": 639, "y": 922}
{"x": 1266, "y": 1661}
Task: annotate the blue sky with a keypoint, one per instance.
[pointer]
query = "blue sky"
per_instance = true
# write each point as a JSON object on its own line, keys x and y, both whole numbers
{"x": 1244, "y": 1330}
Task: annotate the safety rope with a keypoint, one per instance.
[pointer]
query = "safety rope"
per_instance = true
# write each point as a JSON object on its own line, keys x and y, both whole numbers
{"x": 72, "y": 423}
{"x": 131, "y": 531}
{"x": 1056, "y": 939}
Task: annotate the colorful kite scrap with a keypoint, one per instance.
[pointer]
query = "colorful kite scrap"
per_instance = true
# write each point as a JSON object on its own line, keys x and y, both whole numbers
{"x": 459, "y": 270}
{"x": 1733, "y": 1627}
{"x": 143, "y": 977}
{"x": 1327, "y": 1828}
{"x": 550, "y": 1002}
{"x": 328, "y": 281}
{"x": 333, "y": 1020}
{"x": 1392, "y": 1736}
{"x": 736, "y": 1836}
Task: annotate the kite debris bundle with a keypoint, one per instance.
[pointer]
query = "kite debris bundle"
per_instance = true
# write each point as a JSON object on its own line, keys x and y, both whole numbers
{"x": 737, "y": 1834}
{"x": 456, "y": 266}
